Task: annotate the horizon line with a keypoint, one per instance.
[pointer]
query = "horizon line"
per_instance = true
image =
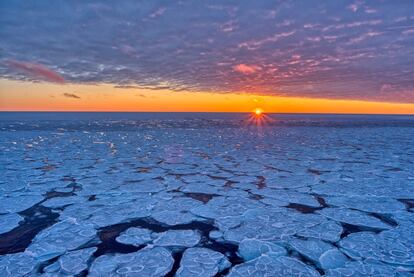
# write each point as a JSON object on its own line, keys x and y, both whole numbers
{"x": 211, "y": 112}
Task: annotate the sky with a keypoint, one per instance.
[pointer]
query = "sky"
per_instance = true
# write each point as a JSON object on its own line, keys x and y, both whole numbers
{"x": 283, "y": 56}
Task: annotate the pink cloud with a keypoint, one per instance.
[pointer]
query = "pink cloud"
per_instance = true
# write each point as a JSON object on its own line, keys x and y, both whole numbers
{"x": 127, "y": 49}
{"x": 370, "y": 10}
{"x": 408, "y": 32}
{"x": 365, "y": 36}
{"x": 353, "y": 7}
{"x": 36, "y": 70}
{"x": 246, "y": 69}
{"x": 158, "y": 12}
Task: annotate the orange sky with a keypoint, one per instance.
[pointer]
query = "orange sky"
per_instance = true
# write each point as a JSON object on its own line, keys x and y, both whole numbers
{"x": 28, "y": 96}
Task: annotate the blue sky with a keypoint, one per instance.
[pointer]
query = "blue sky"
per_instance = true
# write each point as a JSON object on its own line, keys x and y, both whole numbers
{"x": 361, "y": 50}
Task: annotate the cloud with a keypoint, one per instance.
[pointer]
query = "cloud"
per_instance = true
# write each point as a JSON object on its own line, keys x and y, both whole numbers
{"x": 370, "y": 10}
{"x": 274, "y": 38}
{"x": 408, "y": 32}
{"x": 158, "y": 12}
{"x": 364, "y": 36}
{"x": 126, "y": 87}
{"x": 223, "y": 47}
{"x": 127, "y": 49}
{"x": 353, "y": 7}
{"x": 35, "y": 70}
{"x": 71, "y": 95}
{"x": 246, "y": 69}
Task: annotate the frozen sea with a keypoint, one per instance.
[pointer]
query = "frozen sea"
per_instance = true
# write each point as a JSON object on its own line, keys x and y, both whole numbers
{"x": 193, "y": 194}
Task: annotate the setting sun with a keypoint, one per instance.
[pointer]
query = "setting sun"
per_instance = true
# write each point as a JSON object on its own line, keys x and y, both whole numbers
{"x": 258, "y": 111}
{"x": 259, "y": 118}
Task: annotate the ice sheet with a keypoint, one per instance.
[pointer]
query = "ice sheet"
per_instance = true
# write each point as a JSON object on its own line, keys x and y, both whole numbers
{"x": 157, "y": 197}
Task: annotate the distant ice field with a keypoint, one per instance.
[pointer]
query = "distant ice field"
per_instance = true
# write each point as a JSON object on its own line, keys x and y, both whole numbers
{"x": 198, "y": 194}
